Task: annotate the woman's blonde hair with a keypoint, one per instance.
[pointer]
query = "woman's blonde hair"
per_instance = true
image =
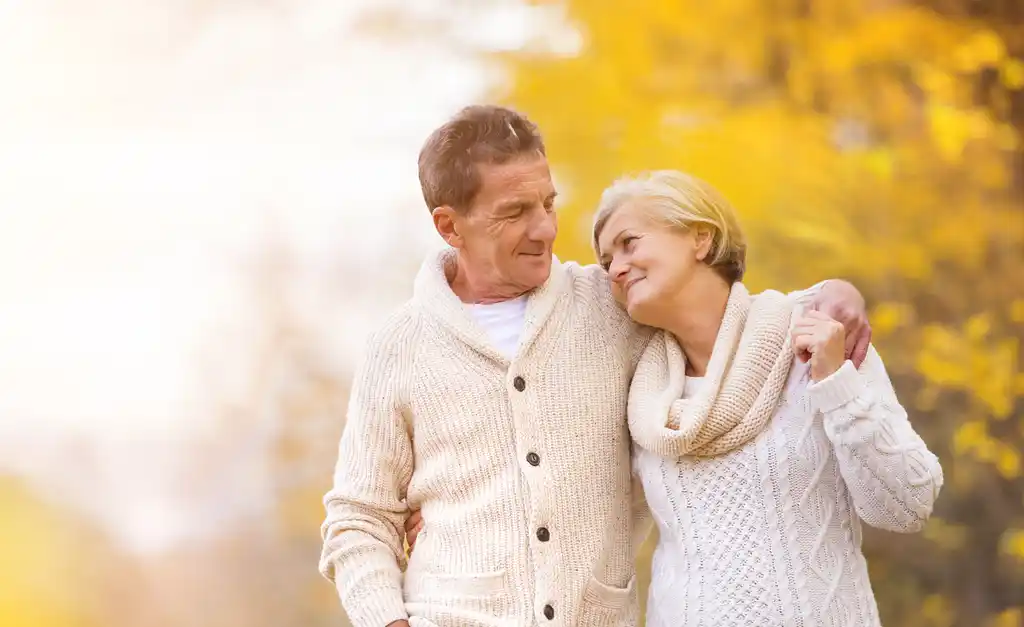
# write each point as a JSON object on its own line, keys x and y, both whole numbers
{"x": 681, "y": 201}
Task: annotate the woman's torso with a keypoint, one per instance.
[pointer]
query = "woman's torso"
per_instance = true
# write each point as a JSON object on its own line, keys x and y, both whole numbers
{"x": 764, "y": 535}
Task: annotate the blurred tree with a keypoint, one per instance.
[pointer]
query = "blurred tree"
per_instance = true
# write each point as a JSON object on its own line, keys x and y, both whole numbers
{"x": 877, "y": 140}
{"x": 277, "y": 437}
{"x": 300, "y": 391}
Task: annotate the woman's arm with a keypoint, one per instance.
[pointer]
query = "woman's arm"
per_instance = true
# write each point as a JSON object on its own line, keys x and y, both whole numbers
{"x": 843, "y": 302}
{"x": 892, "y": 476}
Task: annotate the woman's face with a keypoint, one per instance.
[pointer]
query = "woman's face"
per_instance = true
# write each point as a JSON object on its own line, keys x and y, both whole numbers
{"x": 648, "y": 262}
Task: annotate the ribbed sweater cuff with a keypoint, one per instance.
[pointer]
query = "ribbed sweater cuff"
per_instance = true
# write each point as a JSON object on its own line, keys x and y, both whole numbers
{"x": 378, "y": 610}
{"x": 377, "y": 606}
{"x": 838, "y": 389}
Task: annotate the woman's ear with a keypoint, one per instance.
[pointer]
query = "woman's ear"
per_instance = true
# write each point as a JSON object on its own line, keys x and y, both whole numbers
{"x": 704, "y": 238}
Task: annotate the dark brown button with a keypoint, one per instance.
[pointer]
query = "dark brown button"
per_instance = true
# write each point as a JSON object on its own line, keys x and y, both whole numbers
{"x": 543, "y": 535}
{"x": 533, "y": 458}
{"x": 549, "y": 612}
{"x": 519, "y": 383}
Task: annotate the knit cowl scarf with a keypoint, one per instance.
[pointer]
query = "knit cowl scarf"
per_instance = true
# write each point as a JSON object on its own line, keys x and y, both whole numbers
{"x": 743, "y": 386}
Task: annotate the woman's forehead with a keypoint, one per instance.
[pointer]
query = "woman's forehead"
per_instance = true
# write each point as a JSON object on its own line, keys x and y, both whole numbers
{"x": 631, "y": 215}
{"x": 625, "y": 218}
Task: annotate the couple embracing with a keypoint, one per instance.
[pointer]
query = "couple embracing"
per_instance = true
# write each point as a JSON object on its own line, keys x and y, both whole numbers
{"x": 525, "y": 420}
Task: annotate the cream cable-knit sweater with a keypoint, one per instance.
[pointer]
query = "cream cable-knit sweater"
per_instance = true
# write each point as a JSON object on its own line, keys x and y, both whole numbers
{"x": 769, "y": 534}
{"x": 521, "y": 468}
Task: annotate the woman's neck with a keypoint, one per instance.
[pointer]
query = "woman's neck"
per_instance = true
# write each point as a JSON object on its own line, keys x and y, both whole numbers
{"x": 695, "y": 320}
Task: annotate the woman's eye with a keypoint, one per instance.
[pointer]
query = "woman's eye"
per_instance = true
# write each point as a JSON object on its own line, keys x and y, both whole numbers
{"x": 627, "y": 242}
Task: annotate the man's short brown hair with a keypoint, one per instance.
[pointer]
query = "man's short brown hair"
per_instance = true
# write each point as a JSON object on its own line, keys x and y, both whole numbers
{"x": 478, "y": 134}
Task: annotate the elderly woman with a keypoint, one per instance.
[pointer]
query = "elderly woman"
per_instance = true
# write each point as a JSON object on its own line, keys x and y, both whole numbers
{"x": 760, "y": 448}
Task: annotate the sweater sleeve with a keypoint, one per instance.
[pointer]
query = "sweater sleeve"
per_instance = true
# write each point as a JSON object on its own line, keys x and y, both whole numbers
{"x": 804, "y": 298}
{"x": 619, "y": 330}
{"x": 363, "y": 551}
{"x": 892, "y": 476}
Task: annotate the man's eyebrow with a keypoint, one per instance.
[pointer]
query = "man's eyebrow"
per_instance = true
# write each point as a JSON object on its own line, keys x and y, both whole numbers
{"x": 520, "y": 202}
{"x": 511, "y": 204}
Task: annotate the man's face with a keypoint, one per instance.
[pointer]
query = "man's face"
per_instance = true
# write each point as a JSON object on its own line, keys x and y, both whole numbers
{"x": 508, "y": 234}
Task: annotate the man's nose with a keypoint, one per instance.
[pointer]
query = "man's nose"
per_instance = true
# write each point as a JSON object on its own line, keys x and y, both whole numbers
{"x": 544, "y": 227}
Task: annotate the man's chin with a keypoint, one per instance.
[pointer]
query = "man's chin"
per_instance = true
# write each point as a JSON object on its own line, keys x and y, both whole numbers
{"x": 538, "y": 263}
{"x": 536, "y": 273}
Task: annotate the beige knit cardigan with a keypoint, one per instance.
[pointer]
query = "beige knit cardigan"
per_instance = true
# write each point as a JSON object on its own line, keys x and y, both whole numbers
{"x": 521, "y": 468}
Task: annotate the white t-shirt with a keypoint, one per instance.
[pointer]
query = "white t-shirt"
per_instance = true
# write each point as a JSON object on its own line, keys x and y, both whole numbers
{"x": 691, "y": 386}
{"x": 503, "y": 322}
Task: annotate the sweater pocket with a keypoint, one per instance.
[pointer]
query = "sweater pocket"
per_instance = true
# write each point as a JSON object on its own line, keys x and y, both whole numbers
{"x": 456, "y": 600}
{"x": 604, "y": 605}
{"x": 437, "y": 586}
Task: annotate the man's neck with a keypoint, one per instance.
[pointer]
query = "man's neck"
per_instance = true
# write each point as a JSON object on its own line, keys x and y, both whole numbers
{"x": 476, "y": 288}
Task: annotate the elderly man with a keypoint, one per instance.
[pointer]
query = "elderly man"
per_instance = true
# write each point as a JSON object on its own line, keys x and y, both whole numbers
{"x": 494, "y": 402}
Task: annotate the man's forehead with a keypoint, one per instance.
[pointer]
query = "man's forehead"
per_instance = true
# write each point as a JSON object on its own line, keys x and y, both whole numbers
{"x": 533, "y": 167}
{"x": 518, "y": 182}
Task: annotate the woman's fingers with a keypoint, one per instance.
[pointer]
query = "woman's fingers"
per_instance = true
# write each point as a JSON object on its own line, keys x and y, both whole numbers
{"x": 803, "y": 345}
{"x": 814, "y": 314}
{"x": 807, "y": 326}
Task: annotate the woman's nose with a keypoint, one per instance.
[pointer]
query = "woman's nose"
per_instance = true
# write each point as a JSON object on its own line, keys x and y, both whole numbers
{"x": 618, "y": 271}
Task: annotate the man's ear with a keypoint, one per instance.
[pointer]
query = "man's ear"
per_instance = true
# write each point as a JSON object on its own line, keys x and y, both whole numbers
{"x": 447, "y": 224}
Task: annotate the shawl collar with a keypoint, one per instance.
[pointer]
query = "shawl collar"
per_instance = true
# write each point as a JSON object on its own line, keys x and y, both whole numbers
{"x": 436, "y": 295}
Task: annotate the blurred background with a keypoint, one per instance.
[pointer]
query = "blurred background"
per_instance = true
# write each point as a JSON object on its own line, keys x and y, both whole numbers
{"x": 205, "y": 205}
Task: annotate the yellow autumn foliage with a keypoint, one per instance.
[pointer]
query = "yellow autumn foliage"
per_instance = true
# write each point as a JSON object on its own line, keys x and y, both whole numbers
{"x": 878, "y": 141}
{"x": 38, "y": 567}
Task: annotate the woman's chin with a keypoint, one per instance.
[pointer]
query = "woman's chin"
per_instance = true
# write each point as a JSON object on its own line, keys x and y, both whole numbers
{"x": 636, "y": 310}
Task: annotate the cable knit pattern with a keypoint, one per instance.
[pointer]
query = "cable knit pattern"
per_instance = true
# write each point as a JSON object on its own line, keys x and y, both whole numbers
{"x": 769, "y": 533}
{"x": 521, "y": 467}
{"x": 745, "y": 378}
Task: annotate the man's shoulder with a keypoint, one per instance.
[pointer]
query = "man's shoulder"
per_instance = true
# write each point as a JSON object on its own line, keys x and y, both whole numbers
{"x": 590, "y": 281}
{"x": 396, "y": 332}
{"x": 592, "y": 287}
{"x": 589, "y": 271}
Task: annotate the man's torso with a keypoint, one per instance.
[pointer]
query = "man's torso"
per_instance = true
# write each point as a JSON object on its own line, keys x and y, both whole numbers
{"x": 522, "y": 470}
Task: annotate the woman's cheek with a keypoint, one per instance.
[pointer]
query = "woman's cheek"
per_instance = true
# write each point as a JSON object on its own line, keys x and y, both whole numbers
{"x": 617, "y": 294}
